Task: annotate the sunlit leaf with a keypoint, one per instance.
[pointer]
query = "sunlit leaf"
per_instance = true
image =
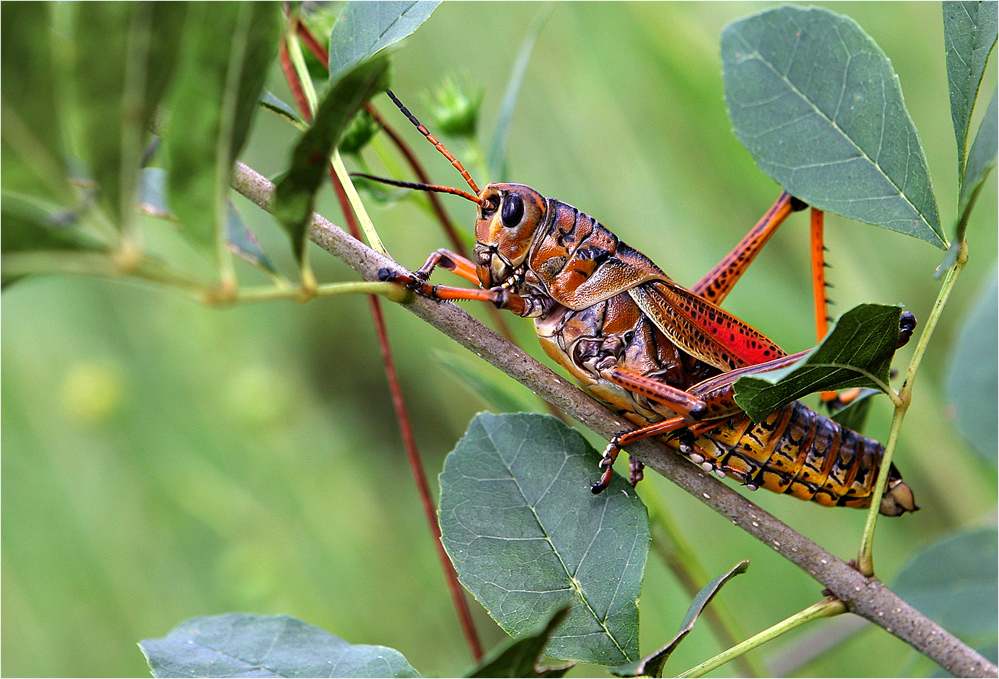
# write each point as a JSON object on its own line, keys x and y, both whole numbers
{"x": 973, "y": 375}
{"x": 970, "y": 30}
{"x": 242, "y": 645}
{"x": 515, "y": 491}
{"x": 818, "y": 106}
{"x": 856, "y": 353}
{"x": 652, "y": 665}
{"x": 212, "y": 108}
{"x": 522, "y": 657}
{"x": 366, "y": 28}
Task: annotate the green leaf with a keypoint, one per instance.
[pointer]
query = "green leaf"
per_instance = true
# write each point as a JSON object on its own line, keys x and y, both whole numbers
{"x": 31, "y": 136}
{"x": 856, "y": 353}
{"x": 854, "y": 415}
{"x": 281, "y": 108}
{"x": 212, "y": 107}
{"x": 526, "y": 536}
{"x": 118, "y": 83}
{"x": 243, "y": 243}
{"x": 366, "y": 28}
{"x": 240, "y": 645}
{"x": 652, "y": 665}
{"x": 521, "y": 657}
{"x": 497, "y": 154}
{"x": 973, "y": 374}
{"x": 970, "y": 30}
{"x": 953, "y": 581}
{"x": 295, "y": 194}
{"x": 981, "y": 159}
{"x": 818, "y": 106}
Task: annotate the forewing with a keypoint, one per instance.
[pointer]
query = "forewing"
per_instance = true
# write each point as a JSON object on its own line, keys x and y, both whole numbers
{"x": 702, "y": 329}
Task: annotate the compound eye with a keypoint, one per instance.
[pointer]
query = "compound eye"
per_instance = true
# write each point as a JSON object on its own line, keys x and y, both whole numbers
{"x": 513, "y": 210}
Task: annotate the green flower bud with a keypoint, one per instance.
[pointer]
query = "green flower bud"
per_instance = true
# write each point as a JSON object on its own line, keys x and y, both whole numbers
{"x": 454, "y": 107}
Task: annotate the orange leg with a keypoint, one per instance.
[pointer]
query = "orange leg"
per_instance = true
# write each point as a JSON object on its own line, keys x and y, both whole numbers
{"x": 451, "y": 261}
{"x": 718, "y": 282}
{"x": 502, "y": 298}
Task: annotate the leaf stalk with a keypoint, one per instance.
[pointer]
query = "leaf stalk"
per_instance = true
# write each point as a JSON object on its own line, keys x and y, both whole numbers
{"x": 824, "y": 609}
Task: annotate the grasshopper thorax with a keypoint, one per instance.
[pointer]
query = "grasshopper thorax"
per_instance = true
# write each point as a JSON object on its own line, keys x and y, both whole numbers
{"x": 508, "y": 218}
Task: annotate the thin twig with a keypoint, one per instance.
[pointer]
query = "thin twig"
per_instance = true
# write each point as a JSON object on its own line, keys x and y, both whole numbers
{"x": 867, "y": 597}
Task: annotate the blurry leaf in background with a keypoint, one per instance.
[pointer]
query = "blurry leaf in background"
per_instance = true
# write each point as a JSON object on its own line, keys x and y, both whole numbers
{"x": 652, "y": 665}
{"x": 239, "y": 644}
{"x": 816, "y": 103}
{"x": 954, "y": 582}
{"x": 974, "y": 375}
{"x": 496, "y": 391}
{"x": 31, "y": 133}
{"x": 243, "y": 243}
{"x": 497, "y": 153}
{"x": 366, "y": 28}
{"x": 30, "y": 224}
{"x": 212, "y": 107}
{"x": 522, "y": 657}
{"x": 295, "y": 194}
{"x": 970, "y": 30}
{"x": 514, "y": 491}
{"x": 118, "y": 84}
{"x": 859, "y": 347}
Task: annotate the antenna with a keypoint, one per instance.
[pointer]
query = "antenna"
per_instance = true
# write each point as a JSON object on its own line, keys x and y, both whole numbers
{"x": 439, "y": 146}
{"x": 420, "y": 187}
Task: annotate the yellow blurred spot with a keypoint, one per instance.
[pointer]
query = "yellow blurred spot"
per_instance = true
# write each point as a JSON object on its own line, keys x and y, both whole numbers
{"x": 93, "y": 391}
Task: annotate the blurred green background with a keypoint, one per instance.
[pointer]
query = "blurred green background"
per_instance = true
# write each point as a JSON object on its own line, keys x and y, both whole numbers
{"x": 163, "y": 460}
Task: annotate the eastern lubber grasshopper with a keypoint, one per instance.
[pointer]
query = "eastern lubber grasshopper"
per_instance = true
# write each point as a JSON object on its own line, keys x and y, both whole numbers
{"x": 663, "y": 356}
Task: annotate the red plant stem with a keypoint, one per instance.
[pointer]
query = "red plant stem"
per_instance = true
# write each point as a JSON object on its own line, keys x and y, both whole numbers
{"x": 318, "y": 51}
{"x": 409, "y": 443}
{"x": 291, "y": 76}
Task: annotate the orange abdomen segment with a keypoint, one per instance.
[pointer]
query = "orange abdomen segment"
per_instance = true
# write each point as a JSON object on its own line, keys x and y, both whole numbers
{"x": 798, "y": 452}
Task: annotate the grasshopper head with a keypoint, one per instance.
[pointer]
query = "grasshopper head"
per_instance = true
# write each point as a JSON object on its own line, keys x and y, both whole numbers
{"x": 508, "y": 217}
